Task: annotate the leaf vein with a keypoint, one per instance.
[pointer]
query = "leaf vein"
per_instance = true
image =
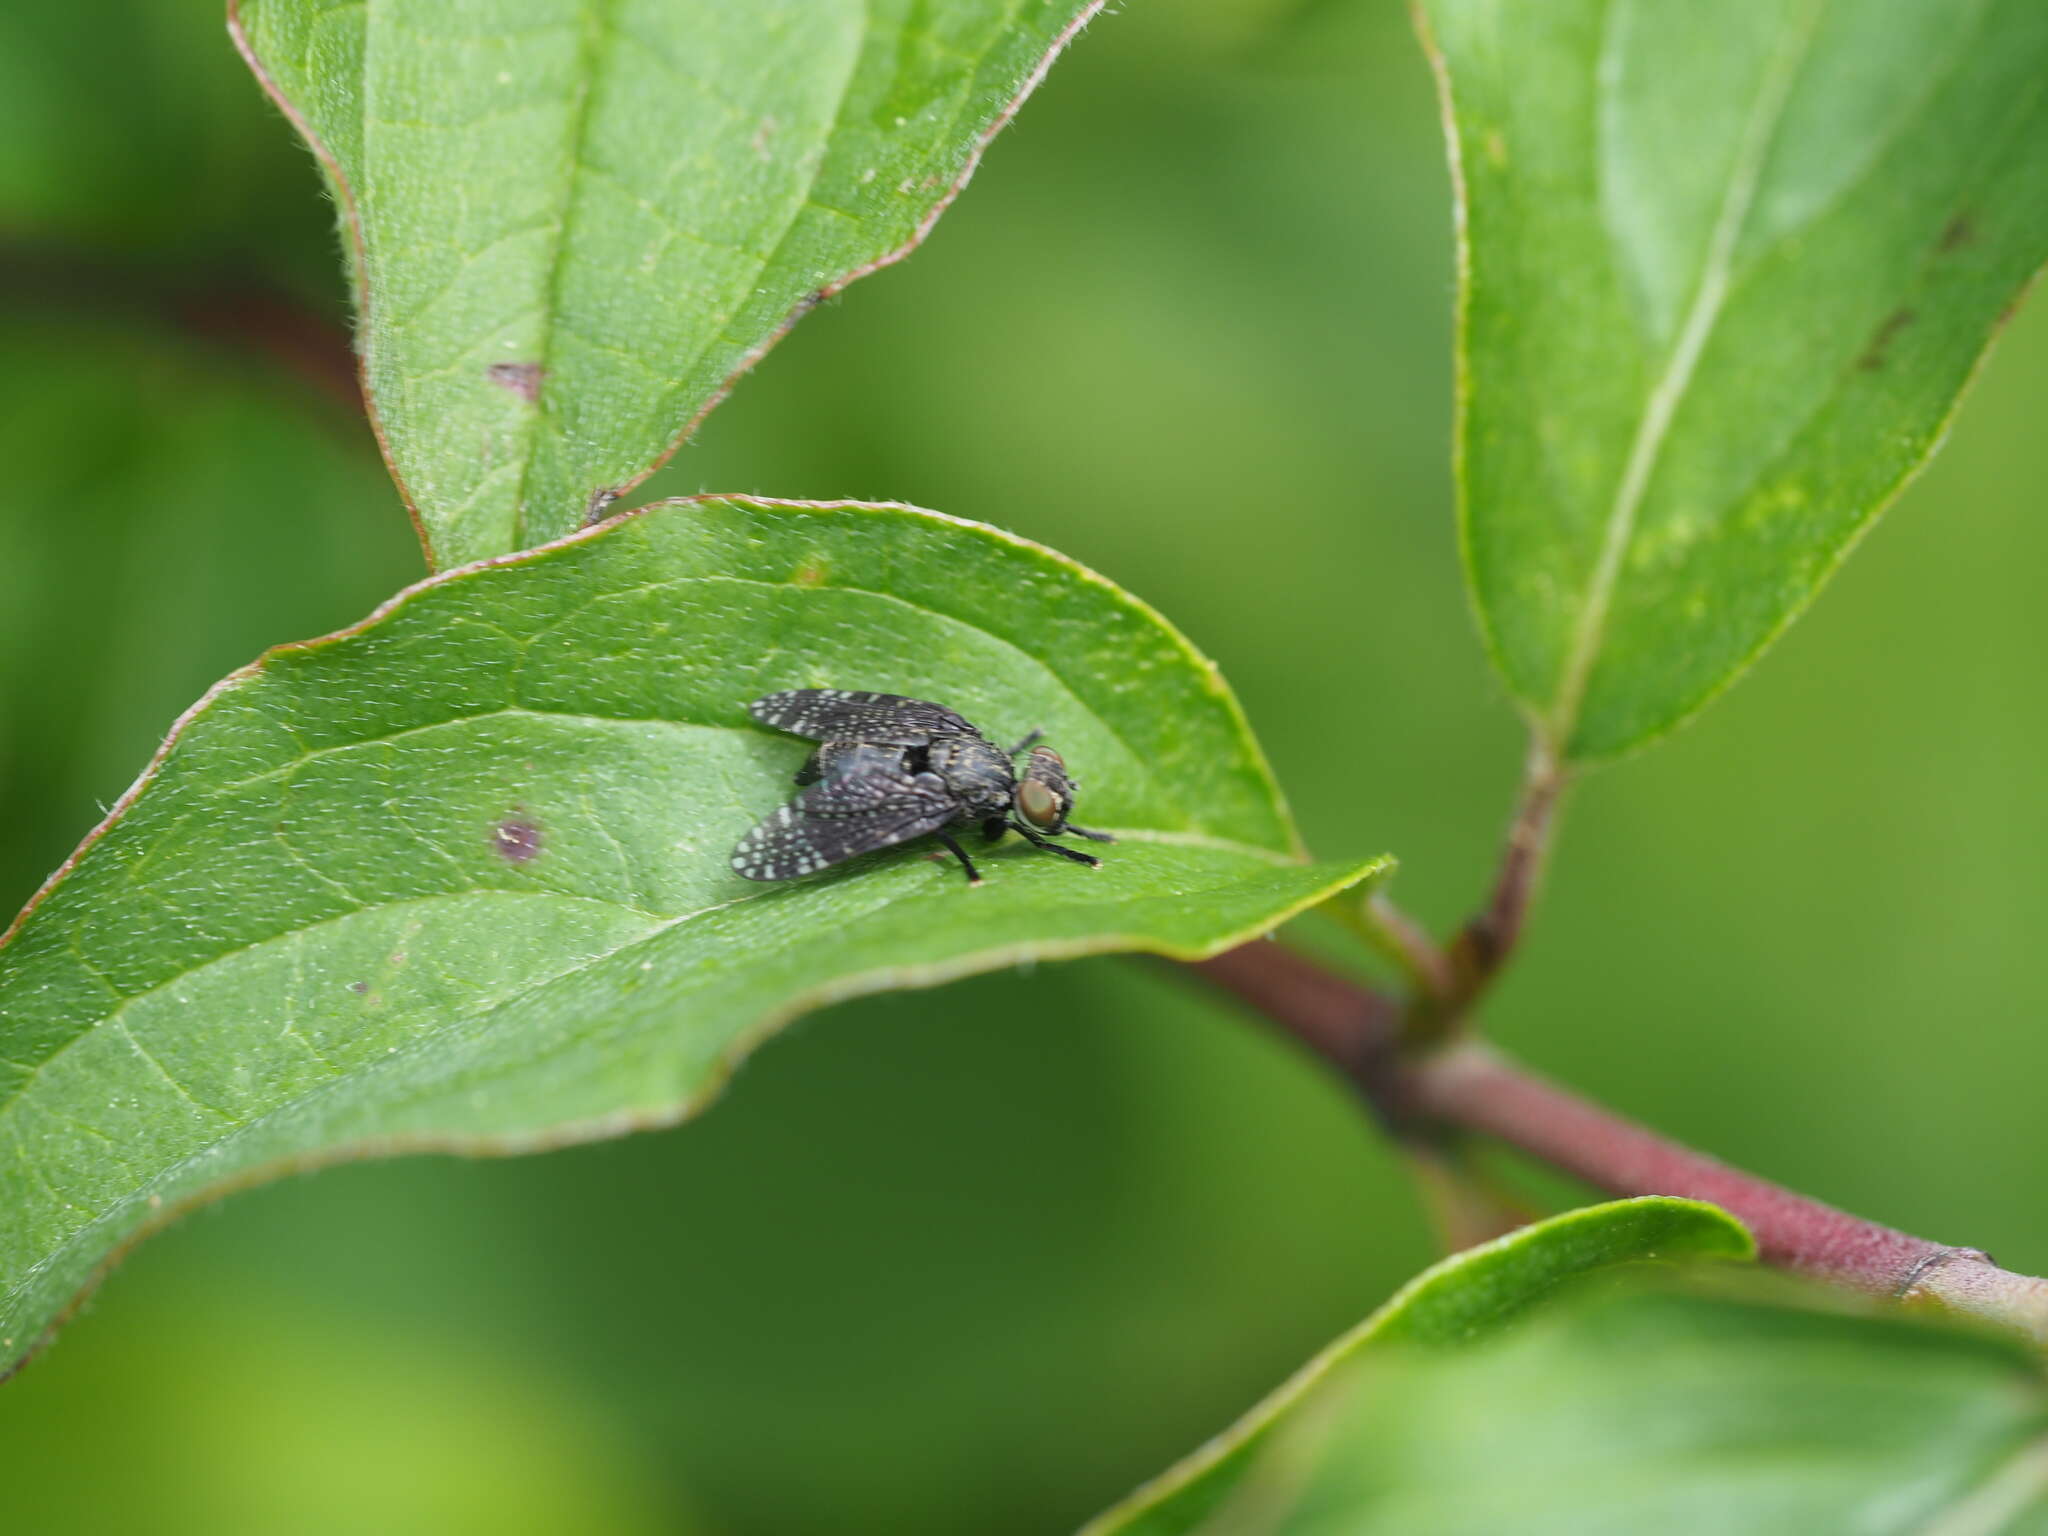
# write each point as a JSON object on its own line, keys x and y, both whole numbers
{"x": 1661, "y": 408}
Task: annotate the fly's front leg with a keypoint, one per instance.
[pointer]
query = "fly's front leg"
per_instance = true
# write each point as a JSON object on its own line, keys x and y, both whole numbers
{"x": 1066, "y": 853}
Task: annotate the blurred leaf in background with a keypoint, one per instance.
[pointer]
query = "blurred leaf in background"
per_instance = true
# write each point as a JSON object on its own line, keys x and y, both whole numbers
{"x": 129, "y": 129}
{"x": 172, "y": 506}
{"x": 283, "y": 1423}
{"x": 991, "y": 1257}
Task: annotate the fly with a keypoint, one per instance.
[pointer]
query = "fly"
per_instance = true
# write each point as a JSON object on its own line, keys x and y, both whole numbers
{"x": 888, "y": 769}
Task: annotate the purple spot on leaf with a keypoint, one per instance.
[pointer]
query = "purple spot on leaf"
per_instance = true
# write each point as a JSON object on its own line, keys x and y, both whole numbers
{"x": 523, "y": 379}
{"x": 517, "y": 842}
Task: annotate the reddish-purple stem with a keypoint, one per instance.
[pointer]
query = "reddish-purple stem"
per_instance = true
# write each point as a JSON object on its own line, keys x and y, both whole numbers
{"x": 1471, "y": 1088}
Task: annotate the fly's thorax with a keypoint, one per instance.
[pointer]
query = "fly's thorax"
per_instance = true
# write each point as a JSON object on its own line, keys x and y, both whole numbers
{"x": 978, "y": 774}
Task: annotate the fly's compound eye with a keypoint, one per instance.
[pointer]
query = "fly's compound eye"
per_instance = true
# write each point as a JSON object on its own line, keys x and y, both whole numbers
{"x": 1037, "y": 804}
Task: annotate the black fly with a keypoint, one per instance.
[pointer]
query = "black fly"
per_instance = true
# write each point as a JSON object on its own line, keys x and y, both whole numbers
{"x": 888, "y": 769}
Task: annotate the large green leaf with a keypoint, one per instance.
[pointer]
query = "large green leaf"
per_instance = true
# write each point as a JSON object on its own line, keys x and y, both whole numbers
{"x": 1726, "y": 270}
{"x": 573, "y": 222}
{"x": 1654, "y": 1410}
{"x": 458, "y": 877}
{"x": 1467, "y": 1297}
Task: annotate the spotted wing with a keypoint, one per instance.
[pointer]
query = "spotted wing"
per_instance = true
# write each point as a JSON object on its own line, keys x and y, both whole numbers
{"x": 888, "y": 719}
{"x": 832, "y": 822}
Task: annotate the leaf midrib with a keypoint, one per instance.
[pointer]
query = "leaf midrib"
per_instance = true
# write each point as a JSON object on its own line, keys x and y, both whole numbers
{"x": 659, "y": 924}
{"x": 1108, "y": 727}
{"x": 1660, "y": 409}
{"x": 599, "y": 31}
{"x": 596, "y": 36}
{"x": 1191, "y": 836}
{"x": 113, "y": 1014}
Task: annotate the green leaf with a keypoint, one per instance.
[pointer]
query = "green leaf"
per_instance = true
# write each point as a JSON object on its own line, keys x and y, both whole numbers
{"x": 458, "y": 877}
{"x": 573, "y": 223}
{"x": 1726, "y": 271}
{"x": 1467, "y": 1297}
{"x": 1652, "y": 1410}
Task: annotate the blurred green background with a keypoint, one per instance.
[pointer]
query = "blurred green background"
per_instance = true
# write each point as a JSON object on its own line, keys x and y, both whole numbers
{"x": 978, "y": 1260}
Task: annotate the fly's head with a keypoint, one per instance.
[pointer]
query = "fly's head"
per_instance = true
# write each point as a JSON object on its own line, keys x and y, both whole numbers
{"x": 1044, "y": 796}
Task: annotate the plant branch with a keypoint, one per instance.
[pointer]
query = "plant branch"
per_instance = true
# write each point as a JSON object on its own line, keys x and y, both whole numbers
{"x": 1472, "y": 1088}
{"x": 1360, "y": 1031}
{"x": 1487, "y": 942}
{"x": 1351, "y": 1026}
{"x": 1409, "y": 943}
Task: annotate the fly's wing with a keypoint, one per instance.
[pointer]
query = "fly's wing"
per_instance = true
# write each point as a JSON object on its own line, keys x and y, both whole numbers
{"x": 832, "y": 822}
{"x": 888, "y": 719}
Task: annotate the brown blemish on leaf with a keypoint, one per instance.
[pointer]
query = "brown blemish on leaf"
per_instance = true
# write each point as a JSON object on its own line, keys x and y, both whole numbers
{"x": 516, "y": 841}
{"x": 762, "y": 135}
{"x": 523, "y": 379}
{"x": 600, "y": 502}
{"x": 1873, "y": 357}
{"x": 359, "y": 987}
{"x": 1496, "y": 147}
{"x": 811, "y": 573}
{"x": 1961, "y": 231}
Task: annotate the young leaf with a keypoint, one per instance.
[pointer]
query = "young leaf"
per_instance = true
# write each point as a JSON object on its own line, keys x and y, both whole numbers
{"x": 572, "y": 225}
{"x": 1652, "y": 1410}
{"x": 1465, "y": 1298}
{"x": 1726, "y": 270}
{"x": 458, "y": 877}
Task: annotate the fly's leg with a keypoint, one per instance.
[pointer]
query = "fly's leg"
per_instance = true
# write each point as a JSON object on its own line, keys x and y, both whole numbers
{"x": 973, "y": 874}
{"x": 1066, "y": 853}
{"x": 1093, "y": 837}
{"x": 1027, "y": 743}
